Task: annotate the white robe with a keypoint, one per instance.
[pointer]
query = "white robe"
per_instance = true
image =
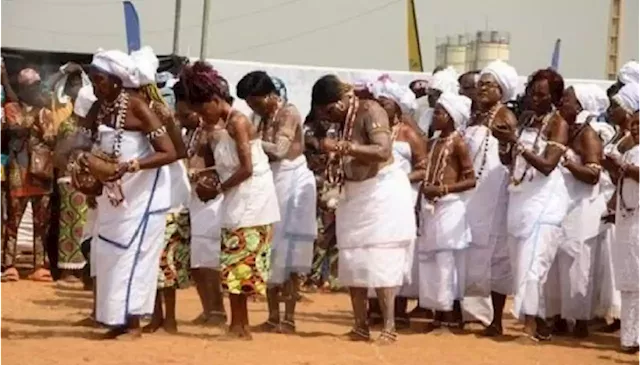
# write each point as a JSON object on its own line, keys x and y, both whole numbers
{"x": 375, "y": 225}
{"x": 579, "y": 247}
{"x": 294, "y": 235}
{"x": 443, "y": 239}
{"x": 536, "y": 210}
{"x": 625, "y": 253}
{"x": 130, "y": 235}
{"x": 487, "y": 256}
{"x": 206, "y": 219}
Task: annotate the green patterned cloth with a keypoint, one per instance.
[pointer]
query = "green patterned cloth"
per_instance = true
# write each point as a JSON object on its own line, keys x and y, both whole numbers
{"x": 245, "y": 259}
{"x": 174, "y": 262}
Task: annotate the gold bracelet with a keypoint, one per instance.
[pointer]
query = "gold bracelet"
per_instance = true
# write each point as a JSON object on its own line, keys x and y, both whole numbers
{"x": 594, "y": 165}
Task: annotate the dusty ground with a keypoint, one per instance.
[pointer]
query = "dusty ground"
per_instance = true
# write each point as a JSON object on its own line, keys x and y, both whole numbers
{"x": 37, "y": 328}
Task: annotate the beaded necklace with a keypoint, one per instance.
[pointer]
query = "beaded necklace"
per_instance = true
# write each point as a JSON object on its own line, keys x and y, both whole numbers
{"x": 336, "y": 178}
{"x": 194, "y": 139}
{"x": 116, "y": 112}
{"x": 440, "y": 164}
{"x": 485, "y": 142}
{"x": 536, "y": 148}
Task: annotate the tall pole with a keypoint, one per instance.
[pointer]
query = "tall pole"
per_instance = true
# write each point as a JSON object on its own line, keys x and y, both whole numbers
{"x": 176, "y": 27}
{"x": 205, "y": 29}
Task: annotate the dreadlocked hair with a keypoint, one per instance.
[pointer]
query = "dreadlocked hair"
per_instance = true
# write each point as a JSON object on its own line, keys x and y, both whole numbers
{"x": 202, "y": 84}
{"x": 152, "y": 93}
{"x": 329, "y": 89}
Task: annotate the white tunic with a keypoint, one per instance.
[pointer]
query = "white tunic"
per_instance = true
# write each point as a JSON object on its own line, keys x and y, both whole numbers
{"x": 130, "y": 235}
{"x": 253, "y": 202}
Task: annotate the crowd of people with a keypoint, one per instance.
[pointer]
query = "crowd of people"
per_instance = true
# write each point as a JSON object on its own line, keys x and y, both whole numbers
{"x": 452, "y": 191}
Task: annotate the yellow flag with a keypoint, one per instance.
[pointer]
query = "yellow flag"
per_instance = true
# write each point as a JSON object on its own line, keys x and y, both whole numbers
{"x": 413, "y": 39}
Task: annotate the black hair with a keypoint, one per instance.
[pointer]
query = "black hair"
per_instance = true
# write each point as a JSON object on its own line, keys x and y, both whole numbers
{"x": 468, "y": 73}
{"x": 328, "y": 89}
{"x": 614, "y": 88}
{"x": 179, "y": 91}
{"x": 255, "y": 83}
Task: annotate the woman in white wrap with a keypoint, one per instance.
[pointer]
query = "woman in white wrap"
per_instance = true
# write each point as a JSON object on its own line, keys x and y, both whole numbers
{"x": 375, "y": 221}
{"x": 444, "y": 232}
{"x": 580, "y": 107}
{"x": 442, "y": 81}
{"x": 205, "y": 217}
{"x": 538, "y": 200}
{"x": 409, "y": 152}
{"x": 173, "y": 267}
{"x": 293, "y": 237}
{"x": 250, "y": 205}
{"x": 626, "y": 249}
{"x": 488, "y": 265}
{"x": 132, "y": 208}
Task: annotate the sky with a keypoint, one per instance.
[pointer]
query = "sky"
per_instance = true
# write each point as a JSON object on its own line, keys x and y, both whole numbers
{"x": 368, "y": 34}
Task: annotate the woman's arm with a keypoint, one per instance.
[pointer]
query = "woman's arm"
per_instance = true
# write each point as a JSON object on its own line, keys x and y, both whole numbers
{"x": 418, "y": 154}
{"x": 165, "y": 152}
{"x": 558, "y": 138}
{"x": 589, "y": 170}
{"x": 239, "y": 128}
{"x": 467, "y": 180}
{"x": 173, "y": 128}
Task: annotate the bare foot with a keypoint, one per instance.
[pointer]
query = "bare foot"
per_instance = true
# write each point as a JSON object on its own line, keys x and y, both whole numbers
{"x": 153, "y": 326}
{"x": 10, "y": 274}
{"x": 86, "y": 322}
{"x": 357, "y": 335}
{"x": 170, "y": 326}
{"x": 113, "y": 333}
{"x": 130, "y": 335}
{"x": 269, "y": 327}
{"x": 493, "y": 330}
{"x": 41, "y": 275}
{"x": 387, "y": 338}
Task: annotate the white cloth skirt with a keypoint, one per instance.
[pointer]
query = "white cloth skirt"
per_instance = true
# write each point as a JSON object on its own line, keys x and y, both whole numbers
{"x": 373, "y": 266}
{"x": 443, "y": 276}
{"x": 606, "y": 300}
{"x": 577, "y": 277}
{"x": 296, "y": 258}
{"x": 489, "y": 268}
{"x": 128, "y": 276}
{"x": 629, "y": 319}
{"x": 532, "y": 259}
{"x": 205, "y": 232}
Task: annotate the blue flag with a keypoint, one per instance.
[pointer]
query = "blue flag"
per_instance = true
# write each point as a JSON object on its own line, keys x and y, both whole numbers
{"x": 132, "y": 24}
{"x": 555, "y": 57}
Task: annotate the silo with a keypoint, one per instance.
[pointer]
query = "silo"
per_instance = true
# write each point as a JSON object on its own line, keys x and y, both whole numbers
{"x": 441, "y": 51}
{"x": 456, "y": 52}
{"x": 490, "y": 46}
{"x": 470, "y": 59}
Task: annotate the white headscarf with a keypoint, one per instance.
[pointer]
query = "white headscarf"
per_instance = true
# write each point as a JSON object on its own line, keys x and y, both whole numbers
{"x": 605, "y": 131}
{"x": 84, "y": 101}
{"x": 58, "y": 88}
{"x": 506, "y": 76}
{"x": 458, "y": 106}
{"x": 590, "y": 98}
{"x": 147, "y": 63}
{"x": 402, "y": 95}
{"x": 627, "y": 98}
{"x": 445, "y": 81}
{"x": 118, "y": 64}
{"x": 629, "y": 73}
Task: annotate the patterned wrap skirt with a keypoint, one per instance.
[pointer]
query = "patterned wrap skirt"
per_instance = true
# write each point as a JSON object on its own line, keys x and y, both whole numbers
{"x": 72, "y": 218}
{"x": 174, "y": 262}
{"x": 245, "y": 259}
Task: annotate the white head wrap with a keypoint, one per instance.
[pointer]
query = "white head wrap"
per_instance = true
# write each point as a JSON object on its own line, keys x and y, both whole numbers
{"x": 445, "y": 81}
{"x": 629, "y": 73}
{"x": 593, "y": 99}
{"x": 118, "y": 64}
{"x": 147, "y": 63}
{"x": 84, "y": 101}
{"x": 458, "y": 106}
{"x": 627, "y": 98}
{"x": 59, "y": 87}
{"x": 402, "y": 95}
{"x": 506, "y": 76}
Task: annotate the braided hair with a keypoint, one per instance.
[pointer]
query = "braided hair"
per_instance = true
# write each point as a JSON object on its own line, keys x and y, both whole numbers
{"x": 203, "y": 83}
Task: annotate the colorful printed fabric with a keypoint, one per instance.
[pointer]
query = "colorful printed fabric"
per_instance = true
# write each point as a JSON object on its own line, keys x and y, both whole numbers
{"x": 73, "y": 216}
{"x": 41, "y": 207}
{"x": 245, "y": 258}
{"x": 174, "y": 262}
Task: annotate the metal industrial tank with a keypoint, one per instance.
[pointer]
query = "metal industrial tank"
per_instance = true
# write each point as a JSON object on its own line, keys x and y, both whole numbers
{"x": 490, "y": 46}
{"x": 456, "y": 53}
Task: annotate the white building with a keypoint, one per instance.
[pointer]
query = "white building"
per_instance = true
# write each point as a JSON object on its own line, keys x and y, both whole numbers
{"x": 345, "y": 33}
